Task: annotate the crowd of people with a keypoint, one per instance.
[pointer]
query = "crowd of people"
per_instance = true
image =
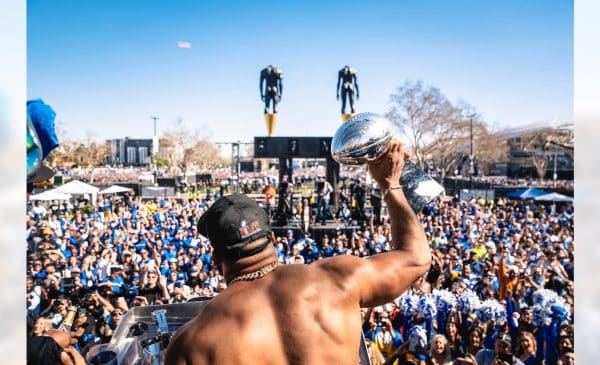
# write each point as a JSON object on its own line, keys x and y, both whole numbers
{"x": 116, "y": 174}
{"x": 501, "y": 279}
{"x": 559, "y": 184}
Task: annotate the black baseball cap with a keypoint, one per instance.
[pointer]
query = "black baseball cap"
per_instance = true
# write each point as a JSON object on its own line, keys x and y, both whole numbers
{"x": 504, "y": 337}
{"x": 231, "y": 223}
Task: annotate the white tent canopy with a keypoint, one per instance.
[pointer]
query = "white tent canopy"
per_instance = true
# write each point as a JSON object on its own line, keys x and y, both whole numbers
{"x": 50, "y": 195}
{"x": 554, "y": 197}
{"x": 77, "y": 187}
{"x": 114, "y": 189}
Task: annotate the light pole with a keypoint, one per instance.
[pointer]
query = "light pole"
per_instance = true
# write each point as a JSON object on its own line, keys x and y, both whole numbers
{"x": 456, "y": 182}
{"x": 555, "y": 175}
{"x": 554, "y": 172}
{"x": 471, "y": 168}
{"x": 235, "y": 159}
{"x": 155, "y": 150}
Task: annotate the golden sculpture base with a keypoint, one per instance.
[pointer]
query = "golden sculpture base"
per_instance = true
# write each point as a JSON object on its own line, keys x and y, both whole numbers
{"x": 345, "y": 116}
{"x": 271, "y": 121}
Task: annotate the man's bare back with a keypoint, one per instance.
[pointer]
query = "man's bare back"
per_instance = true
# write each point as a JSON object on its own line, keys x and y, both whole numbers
{"x": 293, "y": 315}
{"x": 298, "y": 314}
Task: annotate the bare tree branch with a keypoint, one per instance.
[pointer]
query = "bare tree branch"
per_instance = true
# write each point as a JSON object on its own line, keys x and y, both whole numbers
{"x": 187, "y": 151}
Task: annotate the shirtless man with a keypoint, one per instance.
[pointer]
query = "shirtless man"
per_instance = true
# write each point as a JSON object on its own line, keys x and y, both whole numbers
{"x": 297, "y": 314}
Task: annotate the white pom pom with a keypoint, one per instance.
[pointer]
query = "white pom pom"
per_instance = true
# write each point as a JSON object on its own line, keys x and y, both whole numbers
{"x": 492, "y": 310}
{"x": 544, "y": 300}
{"x": 427, "y": 306}
{"x": 446, "y": 301}
{"x": 468, "y": 302}
{"x": 409, "y": 304}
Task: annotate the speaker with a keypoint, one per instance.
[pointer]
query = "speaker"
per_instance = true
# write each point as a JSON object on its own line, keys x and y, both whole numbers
{"x": 293, "y": 147}
{"x": 301, "y": 147}
{"x": 260, "y": 147}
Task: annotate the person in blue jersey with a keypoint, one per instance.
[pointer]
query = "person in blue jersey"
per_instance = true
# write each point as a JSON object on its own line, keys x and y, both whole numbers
{"x": 325, "y": 250}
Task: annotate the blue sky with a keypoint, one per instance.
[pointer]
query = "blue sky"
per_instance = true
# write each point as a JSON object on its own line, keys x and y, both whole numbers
{"x": 106, "y": 66}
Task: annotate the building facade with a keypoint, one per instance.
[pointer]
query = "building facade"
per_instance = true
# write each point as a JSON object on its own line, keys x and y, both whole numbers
{"x": 130, "y": 152}
{"x": 540, "y": 140}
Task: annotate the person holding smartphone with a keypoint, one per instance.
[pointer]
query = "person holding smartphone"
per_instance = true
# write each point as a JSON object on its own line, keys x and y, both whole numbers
{"x": 501, "y": 354}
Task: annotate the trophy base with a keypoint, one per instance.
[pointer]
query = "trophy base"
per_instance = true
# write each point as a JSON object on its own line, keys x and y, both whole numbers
{"x": 271, "y": 121}
{"x": 346, "y": 116}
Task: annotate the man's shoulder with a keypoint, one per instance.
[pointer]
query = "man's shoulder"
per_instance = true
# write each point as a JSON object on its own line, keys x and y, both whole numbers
{"x": 338, "y": 267}
{"x": 189, "y": 342}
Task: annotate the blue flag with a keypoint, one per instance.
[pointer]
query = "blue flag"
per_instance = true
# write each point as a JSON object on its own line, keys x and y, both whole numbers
{"x": 42, "y": 116}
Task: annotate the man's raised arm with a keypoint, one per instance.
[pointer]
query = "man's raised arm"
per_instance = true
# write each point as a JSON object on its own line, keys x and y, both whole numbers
{"x": 383, "y": 277}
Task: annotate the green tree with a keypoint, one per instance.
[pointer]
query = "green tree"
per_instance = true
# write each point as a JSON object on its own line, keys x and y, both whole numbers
{"x": 162, "y": 162}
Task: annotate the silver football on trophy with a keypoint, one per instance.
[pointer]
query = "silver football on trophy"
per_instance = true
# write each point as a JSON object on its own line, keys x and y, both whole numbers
{"x": 366, "y": 137}
{"x": 362, "y": 138}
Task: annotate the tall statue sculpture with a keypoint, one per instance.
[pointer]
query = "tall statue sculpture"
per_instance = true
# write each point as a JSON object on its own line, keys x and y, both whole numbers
{"x": 347, "y": 80}
{"x": 272, "y": 78}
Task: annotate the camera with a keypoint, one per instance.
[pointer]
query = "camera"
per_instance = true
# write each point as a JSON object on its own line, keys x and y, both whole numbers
{"x": 67, "y": 284}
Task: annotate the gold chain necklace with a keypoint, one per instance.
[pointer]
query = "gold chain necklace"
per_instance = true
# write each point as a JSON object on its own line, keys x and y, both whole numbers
{"x": 255, "y": 274}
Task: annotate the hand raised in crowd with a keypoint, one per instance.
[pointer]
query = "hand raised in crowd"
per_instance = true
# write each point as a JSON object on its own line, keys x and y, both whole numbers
{"x": 121, "y": 303}
{"x": 436, "y": 262}
{"x": 387, "y": 324}
{"x": 162, "y": 281}
{"x": 140, "y": 300}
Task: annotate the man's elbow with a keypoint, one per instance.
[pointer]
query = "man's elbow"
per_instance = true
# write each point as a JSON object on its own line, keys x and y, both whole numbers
{"x": 424, "y": 261}
{"x": 422, "y": 258}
